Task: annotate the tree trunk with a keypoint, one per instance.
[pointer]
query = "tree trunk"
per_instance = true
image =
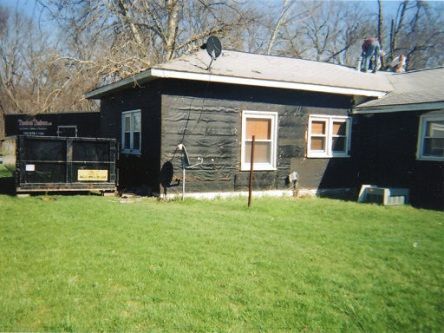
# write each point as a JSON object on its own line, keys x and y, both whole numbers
{"x": 173, "y": 17}
{"x": 397, "y": 25}
{"x": 134, "y": 30}
{"x": 284, "y": 12}
{"x": 381, "y": 30}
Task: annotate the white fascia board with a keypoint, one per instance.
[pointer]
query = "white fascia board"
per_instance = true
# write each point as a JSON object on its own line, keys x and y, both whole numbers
{"x": 171, "y": 74}
{"x": 136, "y": 79}
{"x": 401, "y": 108}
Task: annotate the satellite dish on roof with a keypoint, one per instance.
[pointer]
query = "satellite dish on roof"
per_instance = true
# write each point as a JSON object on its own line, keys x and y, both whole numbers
{"x": 213, "y": 47}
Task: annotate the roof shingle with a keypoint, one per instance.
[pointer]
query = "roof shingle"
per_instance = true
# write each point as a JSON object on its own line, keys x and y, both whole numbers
{"x": 261, "y": 70}
{"x": 274, "y": 68}
{"x": 423, "y": 86}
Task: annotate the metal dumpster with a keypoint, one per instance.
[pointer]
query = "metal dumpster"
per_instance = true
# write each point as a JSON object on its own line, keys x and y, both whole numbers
{"x": 46, "y": 163}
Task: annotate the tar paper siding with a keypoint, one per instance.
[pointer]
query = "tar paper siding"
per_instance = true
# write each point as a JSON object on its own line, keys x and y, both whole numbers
{"x": 206, "y": 118}
{"x": 385, "y": 154}
{"x": 143, "y": 169}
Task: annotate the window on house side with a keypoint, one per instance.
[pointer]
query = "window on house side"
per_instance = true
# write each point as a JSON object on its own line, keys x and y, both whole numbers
{"x": 131, "y": 132}
{"x": 431, "y": 138}
{"x": 328, "y": 136}
{"x": 263, "y": 126}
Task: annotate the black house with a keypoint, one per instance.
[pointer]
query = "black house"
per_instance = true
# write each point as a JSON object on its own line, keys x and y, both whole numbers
{"x": 338, "y": 128}
{"x": 400, "y": 137}
{"x": 299, "y": 112}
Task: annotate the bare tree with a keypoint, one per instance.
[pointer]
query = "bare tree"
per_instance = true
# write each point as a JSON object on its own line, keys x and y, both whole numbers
{"x": 279, "y": 23}
{"x": 3, "y": 25}
{"x": 397, "y": 25}
{"x": 332, "y": 31}
{"x": 381, "y": 34}
{"x": 283, "y": 28}
{"x": 417, "y": 32}
{"x": 32, "y": 79}
{"x": 150, "y": 31}
{"x": 98, "y": 42}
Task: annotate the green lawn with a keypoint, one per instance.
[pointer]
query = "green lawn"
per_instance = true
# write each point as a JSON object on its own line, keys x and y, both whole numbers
{"x": 88, "y": 263}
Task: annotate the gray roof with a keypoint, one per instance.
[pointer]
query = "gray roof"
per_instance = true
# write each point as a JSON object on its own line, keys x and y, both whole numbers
{"x": 273, "y": 68}
{"x": 261, "y": 70}
{"x": 417, "y": 87}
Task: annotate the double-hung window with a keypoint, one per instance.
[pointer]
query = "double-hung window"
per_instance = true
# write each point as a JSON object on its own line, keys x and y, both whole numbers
{"x": 431, "y": 138}
{"x": 263, "y": 126}
{"x": 328, "y": 136}
{"x": 131, "y": 132}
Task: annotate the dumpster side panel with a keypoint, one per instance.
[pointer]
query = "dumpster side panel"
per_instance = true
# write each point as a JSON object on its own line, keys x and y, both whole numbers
{"x": 65, "y": 164}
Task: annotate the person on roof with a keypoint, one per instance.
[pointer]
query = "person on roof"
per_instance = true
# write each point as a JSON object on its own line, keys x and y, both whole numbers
{"x": 370, "y": 49}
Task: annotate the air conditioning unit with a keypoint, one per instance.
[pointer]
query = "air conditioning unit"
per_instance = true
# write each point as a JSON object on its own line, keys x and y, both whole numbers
{"x": 386, "y": 196}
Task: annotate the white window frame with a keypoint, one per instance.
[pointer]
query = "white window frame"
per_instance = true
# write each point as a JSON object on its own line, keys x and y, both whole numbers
{"x": 329, "y": 120}
{"x": 423, "y": 120}
{"x": 273, "y": 116}
{"x": 122, "y": 123}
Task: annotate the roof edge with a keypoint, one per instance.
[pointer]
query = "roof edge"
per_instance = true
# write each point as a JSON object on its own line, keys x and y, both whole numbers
{"x": 399, "y": 108}
{"x": 154, "y": 73}
{"x": 134, "y": 79}
{"x": 417, "y": 70}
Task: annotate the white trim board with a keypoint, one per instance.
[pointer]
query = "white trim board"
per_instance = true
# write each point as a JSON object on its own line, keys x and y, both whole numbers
{"x": 154, "y": 73}
{"x": 134, "y": 80}
{"x": 123, "y": 115}
{"x": 421, "y": 134}
{"x": 269, "y": 115}
{"x": 303, "y": 192}
{"x": 328, "y": 152}
{"x": 401, "y": 108}
{"x": 170, "y": 74}
{"x": 226, "y": 195}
